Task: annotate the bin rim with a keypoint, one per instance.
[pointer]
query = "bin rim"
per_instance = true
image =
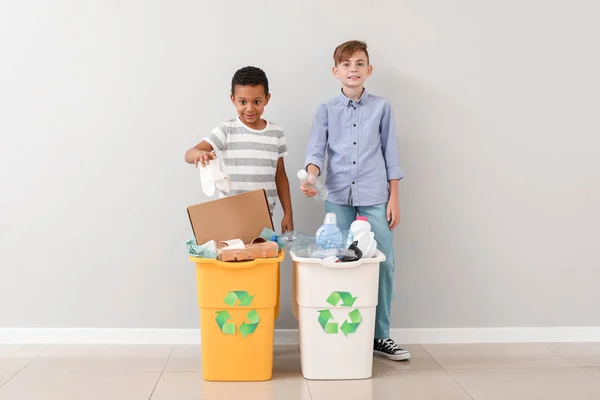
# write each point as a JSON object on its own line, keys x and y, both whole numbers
{"x": 379, "y": 257}
{"x": 240, "y": 264}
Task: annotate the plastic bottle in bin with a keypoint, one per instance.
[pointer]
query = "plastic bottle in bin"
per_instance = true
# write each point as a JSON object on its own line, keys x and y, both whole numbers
{"x": 291, "y": 240}
{"x": 360, "y": 225}
{"x": 329, "y": 236}
{"x": 285, "y": 239}
{"x": 311, "y": 180}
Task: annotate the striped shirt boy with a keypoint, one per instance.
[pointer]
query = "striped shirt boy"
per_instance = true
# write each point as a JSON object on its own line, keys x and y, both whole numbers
{"x": 249, "y": 156}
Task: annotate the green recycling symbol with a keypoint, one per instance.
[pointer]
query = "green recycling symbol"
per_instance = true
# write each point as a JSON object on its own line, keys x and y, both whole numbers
{"x": 223, "y": 317}
{"x": 348, "y": 326}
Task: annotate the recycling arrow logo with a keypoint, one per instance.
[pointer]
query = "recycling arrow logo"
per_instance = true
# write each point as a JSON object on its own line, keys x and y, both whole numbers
{"x": 248, "y": 329}
{"x": 223, "y": 317}
{"x": 345, "y": 297}
{"x": 348, "y": 326}
{"x": 226, "y": 327}
{"x": 241, "y": 296}
{"x": 324, "y": 318}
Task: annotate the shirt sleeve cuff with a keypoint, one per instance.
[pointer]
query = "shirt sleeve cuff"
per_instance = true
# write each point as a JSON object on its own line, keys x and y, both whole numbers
{"x": 212, "y": 144}
{"x": 394, "y": 172}
{"x": 313, "y": 160}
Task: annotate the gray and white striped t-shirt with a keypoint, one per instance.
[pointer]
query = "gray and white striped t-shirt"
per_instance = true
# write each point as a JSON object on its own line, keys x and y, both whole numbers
{"x": 249, "y": 156}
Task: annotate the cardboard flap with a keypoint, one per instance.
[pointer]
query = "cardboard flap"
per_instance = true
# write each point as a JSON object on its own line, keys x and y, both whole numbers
{"x": 236, "y": 217}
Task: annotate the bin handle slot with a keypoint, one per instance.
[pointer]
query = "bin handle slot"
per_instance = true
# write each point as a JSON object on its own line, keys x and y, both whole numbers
{"x": 380, "y": 257}
{"x": 240, "y": 264}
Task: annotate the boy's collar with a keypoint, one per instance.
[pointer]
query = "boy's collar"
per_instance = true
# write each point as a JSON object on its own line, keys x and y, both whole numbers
{"x": 346, "y": 100}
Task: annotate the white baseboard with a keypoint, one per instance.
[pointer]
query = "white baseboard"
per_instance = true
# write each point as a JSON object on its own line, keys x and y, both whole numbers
{"x": 498, "y": 335}
{"x": 290, "y": 336}
{"x": 118, "y": 336}
{"x": 99, "y": 335}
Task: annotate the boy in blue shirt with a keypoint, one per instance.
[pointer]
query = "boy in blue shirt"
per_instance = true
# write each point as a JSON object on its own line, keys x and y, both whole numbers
{"x": 357, "y": 130}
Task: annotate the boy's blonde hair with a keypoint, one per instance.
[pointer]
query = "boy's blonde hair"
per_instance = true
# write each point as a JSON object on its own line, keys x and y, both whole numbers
{"x": 345, "y": 50}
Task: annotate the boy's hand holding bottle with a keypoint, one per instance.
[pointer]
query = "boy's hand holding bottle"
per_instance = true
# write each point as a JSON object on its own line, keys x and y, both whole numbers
{"x": 310, "y": 186}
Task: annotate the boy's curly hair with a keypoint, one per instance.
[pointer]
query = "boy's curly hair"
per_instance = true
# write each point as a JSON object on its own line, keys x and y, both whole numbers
{"x": 250, "y": 76}
{"x": 345, "y": 50}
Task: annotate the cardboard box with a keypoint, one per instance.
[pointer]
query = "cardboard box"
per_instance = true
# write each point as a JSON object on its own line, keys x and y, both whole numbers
{"x": 252, "y": 251}
{"x": 236, "y": 217}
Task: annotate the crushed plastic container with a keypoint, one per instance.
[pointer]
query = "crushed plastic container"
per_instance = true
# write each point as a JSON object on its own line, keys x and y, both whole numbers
{"x": 311, "y": 180}
{"x": 335, "y": 305}
{"x": 239, "y": 302}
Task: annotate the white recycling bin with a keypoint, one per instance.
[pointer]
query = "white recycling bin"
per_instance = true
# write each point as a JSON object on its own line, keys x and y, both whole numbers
{"x": 335, "y": 305}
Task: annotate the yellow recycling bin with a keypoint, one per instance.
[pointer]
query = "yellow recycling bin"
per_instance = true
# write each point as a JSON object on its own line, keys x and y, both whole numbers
{"x": 239, "y": 302}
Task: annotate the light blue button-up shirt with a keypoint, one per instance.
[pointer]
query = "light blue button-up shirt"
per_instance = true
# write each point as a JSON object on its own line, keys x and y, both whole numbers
{"x": 360, "y": 140}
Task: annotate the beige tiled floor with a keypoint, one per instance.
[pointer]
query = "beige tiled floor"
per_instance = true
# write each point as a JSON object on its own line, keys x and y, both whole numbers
{"x": 483, "y": 356}
{"x": 580, "y": 354}
{"x": 450, "y": 372}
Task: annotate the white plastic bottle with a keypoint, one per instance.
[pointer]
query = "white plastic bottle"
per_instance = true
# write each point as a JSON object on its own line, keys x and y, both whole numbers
{"x": 321, "y": 190}
{"x": 329, "y": 235}
{"x": 361, "y": 231}
{"x": 360, "y": 225}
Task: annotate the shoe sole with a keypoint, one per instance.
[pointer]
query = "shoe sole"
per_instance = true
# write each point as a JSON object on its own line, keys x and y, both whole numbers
{"x": 395, "y": 357}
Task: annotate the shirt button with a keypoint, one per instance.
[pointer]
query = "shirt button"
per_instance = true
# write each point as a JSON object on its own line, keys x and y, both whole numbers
{"x": 354, "y": 162}
{"x": 353, "y": 182}
{"x": 353, "y": 124}
{"x": 355, "y": 143}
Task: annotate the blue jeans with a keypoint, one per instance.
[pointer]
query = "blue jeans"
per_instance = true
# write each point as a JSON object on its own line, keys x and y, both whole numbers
{"x": 385, "y": 243}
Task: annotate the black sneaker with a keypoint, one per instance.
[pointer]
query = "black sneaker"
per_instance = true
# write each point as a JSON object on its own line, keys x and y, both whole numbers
{"x": 389, "y": 349}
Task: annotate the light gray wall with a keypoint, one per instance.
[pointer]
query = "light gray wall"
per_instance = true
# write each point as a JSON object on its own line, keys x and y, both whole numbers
{"x": 496, "y": 104}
